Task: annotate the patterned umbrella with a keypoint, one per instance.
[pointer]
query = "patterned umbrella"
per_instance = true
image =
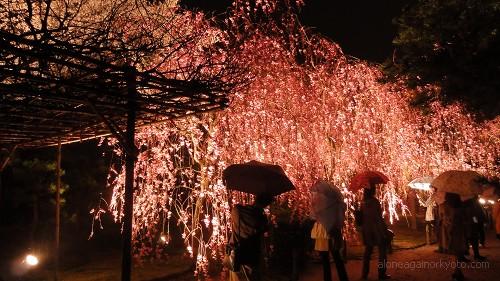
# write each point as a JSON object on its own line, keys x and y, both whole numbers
{"x": 366, "y": 179}
{"x": 257, "y": 178}
{"x": 467, "y": 184}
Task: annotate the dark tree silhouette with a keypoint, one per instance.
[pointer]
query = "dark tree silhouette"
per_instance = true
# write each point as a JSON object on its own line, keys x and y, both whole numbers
{"x": 453, "y": 44}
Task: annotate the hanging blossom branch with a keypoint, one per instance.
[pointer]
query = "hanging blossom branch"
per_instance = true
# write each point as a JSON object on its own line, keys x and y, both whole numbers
{"x": 325, "y": 116}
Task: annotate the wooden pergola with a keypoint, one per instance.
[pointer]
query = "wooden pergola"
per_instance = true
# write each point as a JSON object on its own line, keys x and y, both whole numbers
{"x": 54, "y": 93}
{"x": 91, "y": 98}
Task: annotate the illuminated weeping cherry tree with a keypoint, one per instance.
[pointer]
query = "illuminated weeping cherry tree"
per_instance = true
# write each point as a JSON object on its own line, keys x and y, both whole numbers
{"x": 128, "y": 55}
{"x": 178, "y": 183}
{"x": 310, "y": 109}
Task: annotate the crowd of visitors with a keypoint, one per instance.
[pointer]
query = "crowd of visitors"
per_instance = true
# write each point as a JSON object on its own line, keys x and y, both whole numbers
{"x": 455, "y": 221}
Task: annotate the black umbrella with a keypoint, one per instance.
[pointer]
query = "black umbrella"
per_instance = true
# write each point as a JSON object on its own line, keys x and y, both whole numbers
{"x": 257, "y": 178}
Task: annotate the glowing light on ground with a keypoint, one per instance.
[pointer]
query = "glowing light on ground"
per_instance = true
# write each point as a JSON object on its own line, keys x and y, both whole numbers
{"x": 31, "y": 260}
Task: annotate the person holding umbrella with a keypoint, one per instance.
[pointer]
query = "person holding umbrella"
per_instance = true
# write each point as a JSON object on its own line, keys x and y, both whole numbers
{"x": 456, "y": 243}
{"x": 474, "y": 219}
{"x": 249, "y": 222}
{"x": 494, "y": 193}
{"x": 458, "y": 186}
{"x": 429, "y": 203}
{"x": 496, "y": 218}
{"x": 375, "y": 233}
{"x": 328, "y": 209}
{"x": 373, "y": 227}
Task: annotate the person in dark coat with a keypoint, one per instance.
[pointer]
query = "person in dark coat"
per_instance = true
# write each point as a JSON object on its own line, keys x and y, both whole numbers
{"x": 496, "y": 217}
{"x": 249, "y": 223}
{"x": 474, "y": 222}
{"x": 456, "y": 243}
{"x": 374, "y": 232}
{"x": 445, "y": 214}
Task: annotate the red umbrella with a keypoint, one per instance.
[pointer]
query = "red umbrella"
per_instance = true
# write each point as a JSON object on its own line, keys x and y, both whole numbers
{"x": 366, "y": 179}
{"x": 257, "y": 178}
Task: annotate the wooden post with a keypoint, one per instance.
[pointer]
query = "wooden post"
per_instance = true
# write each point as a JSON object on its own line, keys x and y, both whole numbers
{"x": 2, "y": 167}
{"x": 7, "y": 158}
{"x": 129, "y": 176}
{"x": 58, "y": 212}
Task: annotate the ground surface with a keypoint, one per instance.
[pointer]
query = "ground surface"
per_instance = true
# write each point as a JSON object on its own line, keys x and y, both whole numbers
{"x": 411, "y": 260}
{"x": 423, "y": 264}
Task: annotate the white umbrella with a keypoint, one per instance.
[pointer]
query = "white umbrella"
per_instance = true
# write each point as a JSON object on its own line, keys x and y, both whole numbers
{"x": 422, "y": 183}
{"x": 327, "y": 205}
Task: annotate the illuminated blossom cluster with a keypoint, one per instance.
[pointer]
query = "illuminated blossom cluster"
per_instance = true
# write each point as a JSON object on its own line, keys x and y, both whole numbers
{"x": 329, "y": 118}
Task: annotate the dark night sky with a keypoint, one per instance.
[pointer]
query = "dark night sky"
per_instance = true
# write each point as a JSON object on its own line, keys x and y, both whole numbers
{"x": 363, "y": 28}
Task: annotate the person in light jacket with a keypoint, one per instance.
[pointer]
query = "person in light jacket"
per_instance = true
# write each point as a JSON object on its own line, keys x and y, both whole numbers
{"x": 430, "y": 220}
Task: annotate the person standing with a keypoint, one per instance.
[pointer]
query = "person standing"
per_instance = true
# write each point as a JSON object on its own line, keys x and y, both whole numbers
{"x": 249, "y": 223}
{"x": 322, "y": 245}
{"x": 496, "y": 217}
{"x": 326, "y": 242}
{"x": 456, "y": 243}
{"x": 429, "y": 204}
{"x": 336, "y": 244}
{"x": 328, "y": 209}
{"x": 482, "y": 228}
{"x": 375, "y": 233}
{"x": 473, "y": 222}
{"x": 445, "y": 212}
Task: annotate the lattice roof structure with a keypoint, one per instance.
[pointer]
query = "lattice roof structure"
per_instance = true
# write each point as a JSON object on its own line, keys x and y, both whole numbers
{"x": 88, "y": 99}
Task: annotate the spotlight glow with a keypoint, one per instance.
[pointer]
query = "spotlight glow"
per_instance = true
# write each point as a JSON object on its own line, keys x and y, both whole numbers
{"x": 31, "y": 260}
